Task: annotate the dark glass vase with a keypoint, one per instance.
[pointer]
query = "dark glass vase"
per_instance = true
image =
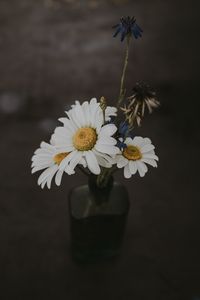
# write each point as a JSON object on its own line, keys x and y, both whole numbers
{"x": 97, "y": 220}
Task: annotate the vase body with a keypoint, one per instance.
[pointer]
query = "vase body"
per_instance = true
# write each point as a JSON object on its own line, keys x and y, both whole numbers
{"x": 97, "y": 221}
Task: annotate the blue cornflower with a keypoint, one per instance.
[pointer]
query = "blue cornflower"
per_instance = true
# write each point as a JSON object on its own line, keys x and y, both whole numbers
{"x": 122, "y": 134}
{"x": 121, "y": 145}
{"x": 127, "y": 27}
{"x": 123, "y": 128}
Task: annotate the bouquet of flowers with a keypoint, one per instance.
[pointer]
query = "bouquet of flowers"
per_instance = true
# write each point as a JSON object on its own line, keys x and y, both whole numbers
{"x": 98, "y": 138}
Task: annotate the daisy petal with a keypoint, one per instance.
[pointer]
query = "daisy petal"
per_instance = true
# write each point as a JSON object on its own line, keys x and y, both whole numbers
{"x": 42, "y": 151}
{"x": 127, "y": 173}
{"x": 43, "y": 184}
{"x": 62, "y": 131}
{"x": 141, "y": 168}
{"x": 95, "y": 116}
{"x": 112, "y": 150}
{"x": 66, "y": 160}
{"x": 110, "y": 111}
{"x": 39, "y": 168}
{"x": 58, "y": 177}
{"x": 64, "y": 148}
{"x": 46, "y": 174}
{"x": 103, "y": 162}
{"x": 86, "y": 111}
{"x": 147, "y": 140}
{"x": 150, "y": 156}
{"x": 133, "y": 167}
{"x": 41, "y": 157}
{"x": 108, "y": 158}
{"x": 107, "y": 140}
{"x": 49, "y": 179}
{"x": 99, "y": 121}
{"x": 137, "y": 141}
{"x": 92, "y": 162}
{"x": 107, "y": 130}
{"x": 68, "y": 124}
{"x": 41, "y": 161}
{"x": 47, "y": 146}
{"x": 151, "y": 162}
{"x": 93, "y": 101}
{"x": 128, "y": 141}
{"x": 75, "y": 160}
{"x": 80, "y": 115}
{"x": 122, "y": 162}
{"x": 147, "y": 147}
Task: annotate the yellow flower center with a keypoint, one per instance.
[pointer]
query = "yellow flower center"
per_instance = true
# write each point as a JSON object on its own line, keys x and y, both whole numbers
{"x": 59, "y": 157}
{"x": 85, "y": 138}
{"x": 132, "y": 153}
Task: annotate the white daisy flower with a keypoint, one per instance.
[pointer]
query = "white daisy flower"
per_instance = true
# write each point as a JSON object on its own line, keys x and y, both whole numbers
{"x": 136, "y": 155}
{"x": 49, "y": 158}
{"x": 85, "y": 137}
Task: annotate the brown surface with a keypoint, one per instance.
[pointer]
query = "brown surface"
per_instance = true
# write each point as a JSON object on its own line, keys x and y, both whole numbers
{"x": 52, "y": 55}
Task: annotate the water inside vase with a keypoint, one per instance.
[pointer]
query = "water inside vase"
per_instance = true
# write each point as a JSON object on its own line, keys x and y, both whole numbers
{"x": 97, "y": 231}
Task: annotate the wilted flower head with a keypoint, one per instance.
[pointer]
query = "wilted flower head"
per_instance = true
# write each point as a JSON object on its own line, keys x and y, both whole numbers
{"x": 103, "y": 103}
{"x": 143, "y": 97}
{"x": 127, "y": 27}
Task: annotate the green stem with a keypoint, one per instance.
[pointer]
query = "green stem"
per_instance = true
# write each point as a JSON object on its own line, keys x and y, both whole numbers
{"x": 122, "y": 88}
{"x": 104, "y": 117}
{"x": 103, "y": 178}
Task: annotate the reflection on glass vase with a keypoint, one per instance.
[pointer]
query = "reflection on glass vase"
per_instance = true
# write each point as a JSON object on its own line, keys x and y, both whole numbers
{"x": 97, "y": 220}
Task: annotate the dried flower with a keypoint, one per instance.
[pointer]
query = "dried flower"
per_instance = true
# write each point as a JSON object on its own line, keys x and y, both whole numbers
{"x": 127, "y": 27}
{"x": 143, "y": 97}
{"x": 103, "y": 105}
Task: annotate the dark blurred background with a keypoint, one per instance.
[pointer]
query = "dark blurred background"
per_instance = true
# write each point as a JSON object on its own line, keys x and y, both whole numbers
{"x": 53, "y": 52}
